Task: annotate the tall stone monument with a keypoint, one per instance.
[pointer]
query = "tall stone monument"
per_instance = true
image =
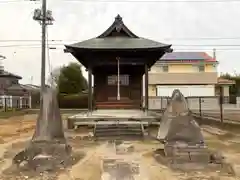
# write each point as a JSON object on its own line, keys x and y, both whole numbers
{"x": 48, "y": 147}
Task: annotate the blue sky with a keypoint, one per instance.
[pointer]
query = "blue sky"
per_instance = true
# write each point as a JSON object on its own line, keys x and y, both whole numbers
{"x": 77, "y": 21}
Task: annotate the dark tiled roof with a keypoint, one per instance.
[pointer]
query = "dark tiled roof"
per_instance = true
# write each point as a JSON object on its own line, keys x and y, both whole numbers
{"x": 187, "y": 56}
{"x": 118, "y": 43}
{"x": 106, "y": 41}
{"x": 32, "y": 86}
{"x": 26, "y": 87}
{"x": 8, "y": 74}
{"x": 17, "y": 87}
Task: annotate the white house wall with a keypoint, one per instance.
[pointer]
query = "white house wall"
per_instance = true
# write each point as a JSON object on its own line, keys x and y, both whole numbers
{"x": 187, "y": 91}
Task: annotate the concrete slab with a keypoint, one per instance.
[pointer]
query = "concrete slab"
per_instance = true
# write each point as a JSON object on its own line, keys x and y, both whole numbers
{"x": 114, "y": 113}
{"x": 113, "y": 116}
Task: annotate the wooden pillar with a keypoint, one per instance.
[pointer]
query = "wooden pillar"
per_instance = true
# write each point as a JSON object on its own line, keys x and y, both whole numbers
{"x": 146, "y": 87}
{"x": 90, "y": 89}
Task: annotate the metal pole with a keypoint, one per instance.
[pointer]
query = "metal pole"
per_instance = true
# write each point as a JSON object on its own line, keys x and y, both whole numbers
{"x": 200, "y": 106}
{"x": 221, "y": 104}
{"x": 118, "y": 79}
{"x": 43, "y": 63}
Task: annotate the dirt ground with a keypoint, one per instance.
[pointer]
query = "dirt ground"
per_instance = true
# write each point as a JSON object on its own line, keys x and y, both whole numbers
{"x": 233, "y": 116}
{"x": 16, "y": 131}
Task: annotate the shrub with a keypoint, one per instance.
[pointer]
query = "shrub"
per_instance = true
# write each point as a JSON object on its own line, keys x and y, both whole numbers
{"x": 73, "y": 101}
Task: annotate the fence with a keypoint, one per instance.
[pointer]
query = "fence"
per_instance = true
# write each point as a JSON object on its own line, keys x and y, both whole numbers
{"x": 15, "y": 102}
{"x": 216, "y": 107}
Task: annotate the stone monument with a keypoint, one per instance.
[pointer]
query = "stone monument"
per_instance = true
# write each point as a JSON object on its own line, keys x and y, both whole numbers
{"x": 48, "y": 147}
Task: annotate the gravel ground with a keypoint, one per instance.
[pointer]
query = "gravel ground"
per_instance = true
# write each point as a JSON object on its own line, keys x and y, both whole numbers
{"x": 90, "y": 155}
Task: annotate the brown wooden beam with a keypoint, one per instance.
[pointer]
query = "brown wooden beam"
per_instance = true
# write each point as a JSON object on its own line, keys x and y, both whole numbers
{"x": 146, "y": 87}
{"x": 90, "y": 89}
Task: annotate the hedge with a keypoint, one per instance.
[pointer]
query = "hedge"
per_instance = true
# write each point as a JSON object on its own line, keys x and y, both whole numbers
{"x": 73, "y": 101}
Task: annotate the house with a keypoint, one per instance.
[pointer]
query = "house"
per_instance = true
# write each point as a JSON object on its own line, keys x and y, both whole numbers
{"x": 193, "y": 73}
{"x": 7, "y": 80}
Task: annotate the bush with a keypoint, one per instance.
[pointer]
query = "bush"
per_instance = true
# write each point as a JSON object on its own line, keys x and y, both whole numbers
{"x": 73, "y": 101}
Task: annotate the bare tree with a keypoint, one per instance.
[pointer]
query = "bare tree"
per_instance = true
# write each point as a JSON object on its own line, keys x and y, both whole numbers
{"x": 54, "y": 75}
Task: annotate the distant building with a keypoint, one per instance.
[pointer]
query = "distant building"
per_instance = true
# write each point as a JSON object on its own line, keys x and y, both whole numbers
{"x": 9, "y": 85}
{"x": 193, "y": 73}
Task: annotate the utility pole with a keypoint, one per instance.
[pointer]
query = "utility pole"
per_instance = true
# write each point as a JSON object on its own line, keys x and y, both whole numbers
{"x": 43, "y": 62}
{"x": 214, "y": 54}
{"x": 44, "y": 17}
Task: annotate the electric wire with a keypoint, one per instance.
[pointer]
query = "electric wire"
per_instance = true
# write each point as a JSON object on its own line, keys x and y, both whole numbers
{"x": 166, "y": 39}
{"x": 178, "y": 45}
{"x": 126, "y": 1}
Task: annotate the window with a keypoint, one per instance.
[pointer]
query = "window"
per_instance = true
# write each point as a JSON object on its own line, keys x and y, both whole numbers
{"x": 201, "y": 68}
{"x": 14, "y": 81}
{"x": 124, "y": 80}
{"x": 165, "y": 68}
{"x": 111, "y": 80}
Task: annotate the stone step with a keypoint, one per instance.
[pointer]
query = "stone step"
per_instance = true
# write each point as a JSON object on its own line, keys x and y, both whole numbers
{"x": 118, "y": 131}
{"x": 120, "y": 137}
{"x": 117, "y": 126}
{"x": 185, "y": 155}
{"x": 119, "y": 134}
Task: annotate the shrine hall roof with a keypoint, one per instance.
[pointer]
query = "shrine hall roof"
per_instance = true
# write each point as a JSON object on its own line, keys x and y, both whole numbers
{"x": 118, "y": 37}
{"x": 118, "y": 43}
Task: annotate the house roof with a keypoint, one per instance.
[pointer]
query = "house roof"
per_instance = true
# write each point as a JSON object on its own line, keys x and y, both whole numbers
{"x": 187, "y": 56}
{"x": 225, "y": 81}
{"x": 17, "y": 87}
{"x": 29, "y": 87}
{"x": 8, "y": 74}
{"x": 116, "y": 43}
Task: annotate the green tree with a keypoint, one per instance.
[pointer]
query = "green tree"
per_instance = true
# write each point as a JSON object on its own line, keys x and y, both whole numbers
{"x": 71, "y": 79}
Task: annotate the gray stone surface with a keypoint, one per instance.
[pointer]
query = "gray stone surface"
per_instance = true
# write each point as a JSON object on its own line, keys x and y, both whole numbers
{"x": 184, "y": 147}
{"x": 177, "y": 123}
{"x": 48, "y": 148}
{"x": 49, "y": 122}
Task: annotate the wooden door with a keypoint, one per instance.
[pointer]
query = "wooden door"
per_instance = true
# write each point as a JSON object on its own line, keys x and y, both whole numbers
{"x": 112, "y": 87}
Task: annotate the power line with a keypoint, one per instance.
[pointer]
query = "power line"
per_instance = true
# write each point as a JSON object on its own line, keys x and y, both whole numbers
{"x": 154, "y": 1}
{"x": 163, "y": 39}
{"x": 128, "y": 1}
{"x": 18, "y": 1}
{"x": 208, "y": 45}
{"x": 203, "y": 38}
{"x": 185, "y": 49}
{"x": 25, "y": 40}
{"x": 182, "y": 45}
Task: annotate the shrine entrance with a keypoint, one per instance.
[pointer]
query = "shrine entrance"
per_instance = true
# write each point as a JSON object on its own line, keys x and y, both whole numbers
{"x": 118, "y": 90}
{"x": 116, "y": 93}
